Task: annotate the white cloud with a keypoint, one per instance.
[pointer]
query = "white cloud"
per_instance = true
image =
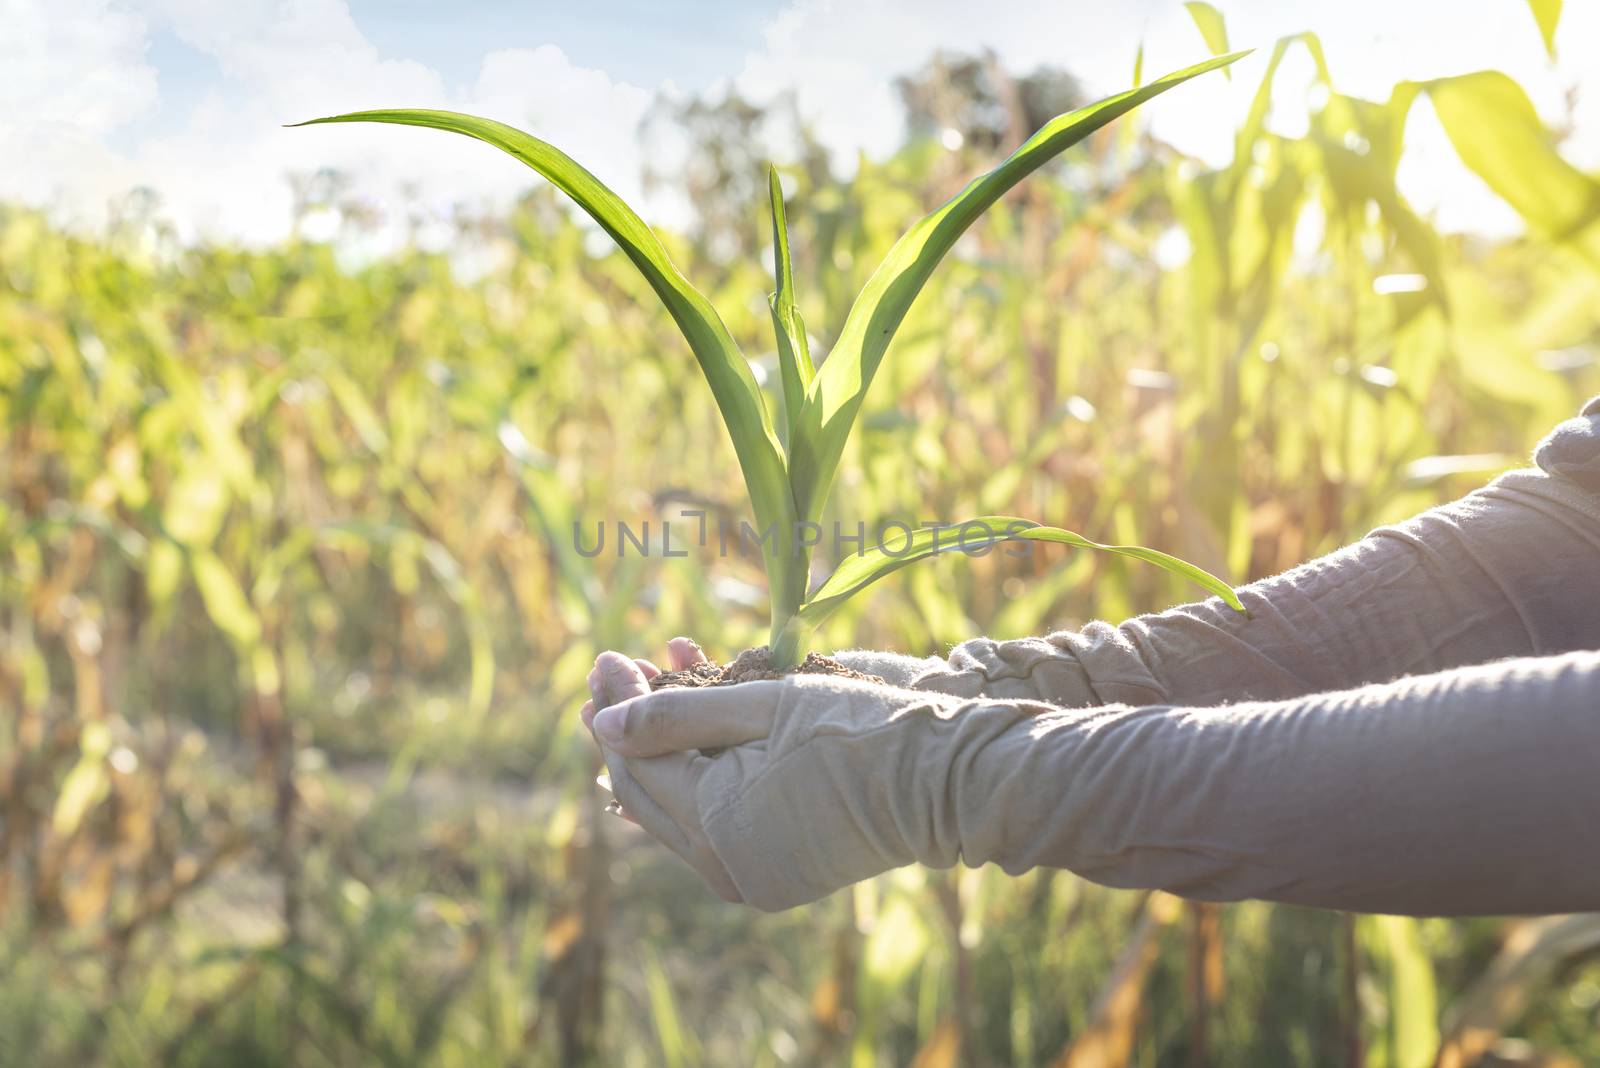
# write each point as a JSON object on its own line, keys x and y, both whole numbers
{"x": 583, "y": 111}
{"x": 223, "y": 171}
{"x": 78, "y": 80}
{"x": 73, "y": 73}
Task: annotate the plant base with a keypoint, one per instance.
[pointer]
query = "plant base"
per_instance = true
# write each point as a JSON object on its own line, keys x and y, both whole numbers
{"x": 753, "y": 665}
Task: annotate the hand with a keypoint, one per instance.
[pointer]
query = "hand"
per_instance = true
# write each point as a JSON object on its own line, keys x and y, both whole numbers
{"x": 817, "y": 782}
{"x": 682, "y": 653}
{"x": 617, "y": 678}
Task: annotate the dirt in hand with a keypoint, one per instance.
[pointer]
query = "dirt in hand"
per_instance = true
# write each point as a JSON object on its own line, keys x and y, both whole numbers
{"x": 753, "y": 665}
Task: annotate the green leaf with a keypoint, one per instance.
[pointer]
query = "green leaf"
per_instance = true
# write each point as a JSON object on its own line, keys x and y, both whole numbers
{"x": 976, "y": 536}
{"x": 1255, "y": 121}
{"x": 1212, "y": 28}
{"x": 196, "y": 503}
{"x": 87, "y": 784}
{"x": 225, "y": 602}
{"x": 362, "y": 415}
{"x": 895, "y": 947}
{"x": 841, "y": 384}
{"x": 794, "y": 352}
{"x": 1130, "y": 131}
{"x": 1413, "y": 992}
{"x": 401, "y": 541}
{"x": 1547, "y": 13}
{"x": 1358, "y": 179}
{"x": 732, "y": 383}
{"x": 1498, "y": 134}
{"x": 679, "y": 1049}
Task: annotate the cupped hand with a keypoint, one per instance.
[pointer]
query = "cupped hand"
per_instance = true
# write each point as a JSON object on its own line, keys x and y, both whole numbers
{"x": 682, "y": 653}
{"x": 815, "y": 782}
{"x": 617, "y": 678}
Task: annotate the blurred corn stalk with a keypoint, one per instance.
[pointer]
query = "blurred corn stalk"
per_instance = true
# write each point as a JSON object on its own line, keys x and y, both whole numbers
{"x": 1530, "y": 952}
{"x": 1112, "y": 1033}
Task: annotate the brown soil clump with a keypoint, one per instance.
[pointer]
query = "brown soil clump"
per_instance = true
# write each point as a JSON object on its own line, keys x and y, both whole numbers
{"x": 753, "y": 665}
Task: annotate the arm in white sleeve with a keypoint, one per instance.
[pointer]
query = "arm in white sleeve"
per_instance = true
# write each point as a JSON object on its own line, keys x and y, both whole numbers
{"x": 1471, "y": 791}
{"x": 1512, "y": 569}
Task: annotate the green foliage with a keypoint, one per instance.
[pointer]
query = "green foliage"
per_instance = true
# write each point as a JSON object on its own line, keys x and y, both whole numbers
{"x": 292, "y": 629}
{"x": 794, "y": 348}
{"x": 820, "y": 407}
{"x": 979, "y": 535}
{"x": 1412, "y": 1038}
{"x": 733, "y": 385}
{"x": 1494, "y": 128}
{"x": 1213, "y": 28}
{"x": 1547, "y": 13}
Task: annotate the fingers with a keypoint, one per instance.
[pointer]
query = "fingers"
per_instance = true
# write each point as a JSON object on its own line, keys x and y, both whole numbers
{"x": 596, "y": 690}
{"x": 603, "y": 780}
{"x": 618, "y": 678}
{"x": 709, "y": 717}
{"x": 614, "y": 678}
{"x": 644, "y": 810}
{"x": 684, "y": 653}
{"x": 670, "y": 781}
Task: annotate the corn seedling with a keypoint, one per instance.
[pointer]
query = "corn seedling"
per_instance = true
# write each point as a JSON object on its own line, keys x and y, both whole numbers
{"x": 788, "y": 457}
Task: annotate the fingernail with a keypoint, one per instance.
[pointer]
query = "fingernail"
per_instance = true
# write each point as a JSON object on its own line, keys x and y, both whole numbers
{"x": 609, "y": 722}
{"x": 615, "y": 671}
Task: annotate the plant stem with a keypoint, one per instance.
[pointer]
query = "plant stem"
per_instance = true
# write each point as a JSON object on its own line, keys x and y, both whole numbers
{"x": 784, "y": 648}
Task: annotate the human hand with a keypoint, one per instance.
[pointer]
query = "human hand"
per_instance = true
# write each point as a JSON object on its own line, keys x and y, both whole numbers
{"x": 816, "y": 783}
{"x": 682, "y": 653}
{"x": 616, "y": 678}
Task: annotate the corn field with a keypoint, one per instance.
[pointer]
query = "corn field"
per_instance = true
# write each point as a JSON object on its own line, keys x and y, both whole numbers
{"x": 293, "y": 630}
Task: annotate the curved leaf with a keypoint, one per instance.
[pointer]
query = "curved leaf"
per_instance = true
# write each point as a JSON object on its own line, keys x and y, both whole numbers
{"x": 1208, "y": 20}
{"x": 1497, "y": 133}
{"x": 974, "y": 536}
{"x": 732, "y": 382}
{"x": 794, "y": 353}
{"x": 817, "y": 442}
{"x": 1547, "y": 13}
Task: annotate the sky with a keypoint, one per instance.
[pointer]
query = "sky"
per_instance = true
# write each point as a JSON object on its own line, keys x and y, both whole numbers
{"x": 189, "y": 97}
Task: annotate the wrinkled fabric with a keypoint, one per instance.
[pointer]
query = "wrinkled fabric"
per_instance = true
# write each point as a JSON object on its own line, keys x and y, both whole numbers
{"x": 1569, "y": 452}
{"x": 1512, "y": 569}
{"x": 1410, "y": 724}
{"x": 1466, "y": 792}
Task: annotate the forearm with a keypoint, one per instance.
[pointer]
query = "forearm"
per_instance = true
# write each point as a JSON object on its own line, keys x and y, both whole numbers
{"x": 1466, "y": 792}
{"x": 1506, "y": 571}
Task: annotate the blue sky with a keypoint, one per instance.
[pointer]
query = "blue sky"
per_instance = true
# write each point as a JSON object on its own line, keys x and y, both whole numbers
{"x": 642, "y": 41}
{"x": 660, "y": 45}
{"x": 188, "y": 97}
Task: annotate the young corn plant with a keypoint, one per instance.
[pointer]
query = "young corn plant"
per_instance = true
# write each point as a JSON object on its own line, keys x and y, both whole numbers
{"x": 788, "y": 457}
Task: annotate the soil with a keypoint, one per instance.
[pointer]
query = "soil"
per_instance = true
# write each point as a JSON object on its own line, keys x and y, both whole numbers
{"x": 753, "y": 665}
